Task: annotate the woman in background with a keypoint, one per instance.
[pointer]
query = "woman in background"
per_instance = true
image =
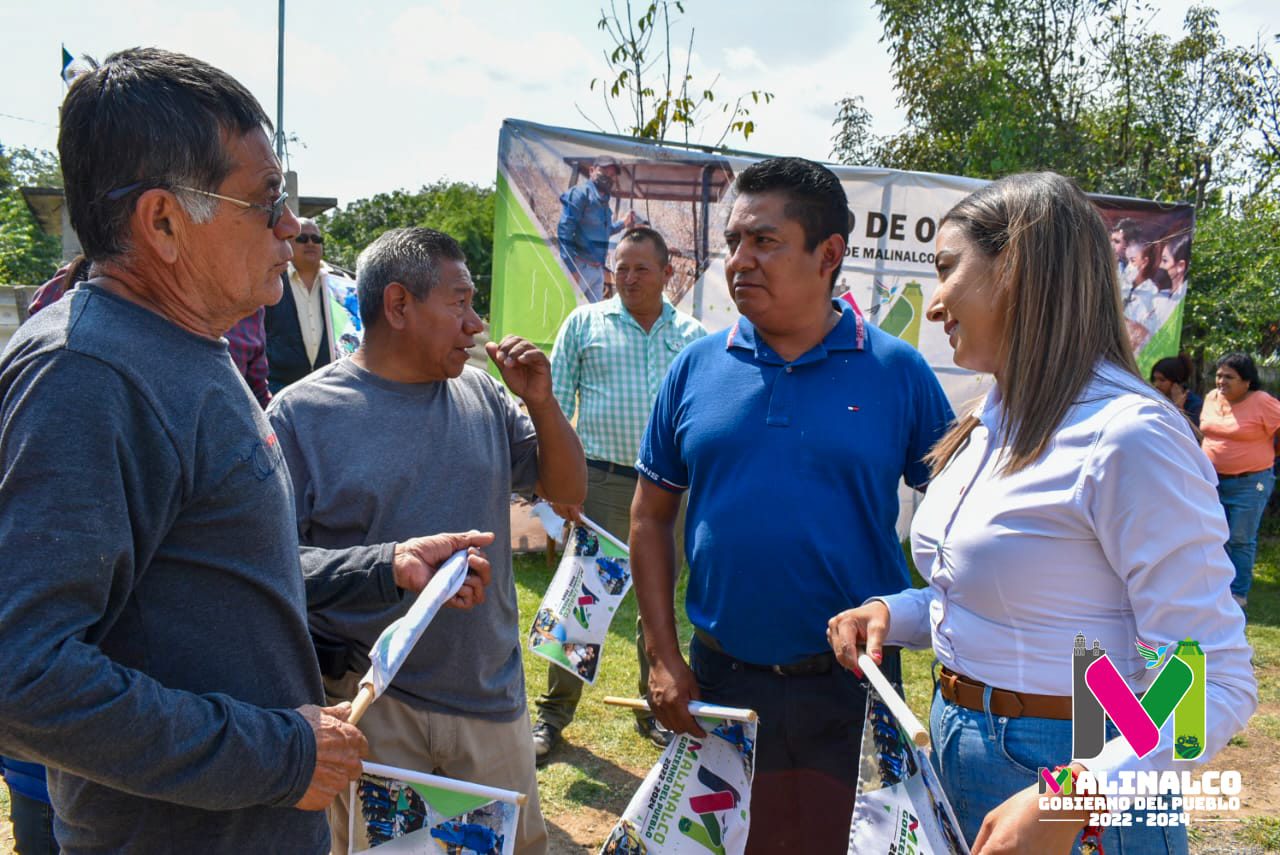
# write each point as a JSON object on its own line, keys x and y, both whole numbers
{"x": 1239, "y": 422}
{"x": 1175, "y": 258}
{"x": 1038, "y": 526}
{"x": 1171, "y": 376}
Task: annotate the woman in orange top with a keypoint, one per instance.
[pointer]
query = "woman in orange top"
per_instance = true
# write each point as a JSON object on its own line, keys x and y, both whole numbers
{"x": 1239, "y": 423}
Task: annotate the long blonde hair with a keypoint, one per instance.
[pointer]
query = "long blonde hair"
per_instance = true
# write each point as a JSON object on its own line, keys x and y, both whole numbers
{"x": 1057, "y": 278}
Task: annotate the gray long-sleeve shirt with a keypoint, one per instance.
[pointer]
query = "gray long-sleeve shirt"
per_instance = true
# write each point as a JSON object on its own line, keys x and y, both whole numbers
{"x": 153, "y": 631}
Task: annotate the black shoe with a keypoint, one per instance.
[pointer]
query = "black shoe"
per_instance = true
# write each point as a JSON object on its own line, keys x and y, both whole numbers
{"x": 654, "y": 732}
{"x": 545, "y": 739}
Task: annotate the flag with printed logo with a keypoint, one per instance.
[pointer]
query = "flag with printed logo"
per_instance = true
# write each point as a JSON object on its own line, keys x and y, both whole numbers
{"x": 402, "y": 811}
{"x": 900, "y": 805}
{"x": 570, "y": 626}
{"x": 695, "y": 800}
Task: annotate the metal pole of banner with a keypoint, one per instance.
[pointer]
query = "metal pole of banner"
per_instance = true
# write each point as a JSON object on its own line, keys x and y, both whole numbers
{"x": 895, "y": 703}
{"x": 280, "y": 89}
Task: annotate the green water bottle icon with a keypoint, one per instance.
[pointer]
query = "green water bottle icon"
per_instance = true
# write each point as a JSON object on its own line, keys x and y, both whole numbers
{"x": 1188, "y": 716}
{"x": 903, "y": 319}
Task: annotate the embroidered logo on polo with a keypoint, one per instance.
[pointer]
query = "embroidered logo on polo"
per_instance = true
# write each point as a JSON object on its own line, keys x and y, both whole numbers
{"x": 264, "y": 456}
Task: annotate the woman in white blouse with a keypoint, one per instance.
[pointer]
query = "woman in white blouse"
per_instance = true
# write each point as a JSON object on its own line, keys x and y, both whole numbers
{"x": 1073, "y": 499}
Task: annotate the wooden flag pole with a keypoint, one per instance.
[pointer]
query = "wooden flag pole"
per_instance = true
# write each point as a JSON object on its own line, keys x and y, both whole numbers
{"x": 361, "y": 704}
{"x": 919, "y": 734}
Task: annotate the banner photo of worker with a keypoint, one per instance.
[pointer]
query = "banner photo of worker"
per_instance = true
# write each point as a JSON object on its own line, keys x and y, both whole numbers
{"x": 900, "y": 805}
{"x": 573, "y": 621}
{"x": 402, "y": 811}
{"x": 695, "y": 800}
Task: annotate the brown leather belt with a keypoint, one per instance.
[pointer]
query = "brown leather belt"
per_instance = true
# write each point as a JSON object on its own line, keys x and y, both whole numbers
{"x": 968, "y": 694}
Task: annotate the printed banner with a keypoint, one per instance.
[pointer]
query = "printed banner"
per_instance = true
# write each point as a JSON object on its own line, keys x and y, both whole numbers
{"x": 395, "y": 642}
{"x": 402, "y": 811}
{"x": 573, "y": 620}
{"x": 900, "y": 806}
{"x": 695, "y": 800}
{"x": 554, "y": 235}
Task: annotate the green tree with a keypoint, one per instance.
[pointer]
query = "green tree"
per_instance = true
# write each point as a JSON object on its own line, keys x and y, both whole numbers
{"x": 660, "y": 98}
{"x": 1080, "y": 86}
{"x": 28, "y": 256}
{"x": 1086, "y": 88}
{"x": 1234, "y": 299}
{"x": 464, "y": 211}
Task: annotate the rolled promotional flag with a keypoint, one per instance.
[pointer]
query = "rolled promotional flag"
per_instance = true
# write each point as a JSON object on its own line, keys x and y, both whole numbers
{"x": 393, "y": 646}
{"x": 900, "y": 806}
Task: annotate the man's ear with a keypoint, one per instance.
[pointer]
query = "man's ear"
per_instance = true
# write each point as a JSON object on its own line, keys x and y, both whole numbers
{"x": 832, "y": 255}
{"x": 395, "y": 305}
{"x": 160, "y": 225}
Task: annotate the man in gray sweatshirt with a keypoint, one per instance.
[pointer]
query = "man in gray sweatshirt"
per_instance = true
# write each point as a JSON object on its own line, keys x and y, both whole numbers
{"x": 153, "y": 628}
{"x": 440, "y": 442}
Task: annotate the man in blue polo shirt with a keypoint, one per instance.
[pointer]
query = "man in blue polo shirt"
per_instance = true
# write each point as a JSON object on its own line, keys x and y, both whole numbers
{"x": 790, "y": 431}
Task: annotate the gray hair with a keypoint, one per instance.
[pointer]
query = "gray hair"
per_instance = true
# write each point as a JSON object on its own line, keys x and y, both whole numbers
{"x": 409, "y": 256}
{"x": 147, "y": 118}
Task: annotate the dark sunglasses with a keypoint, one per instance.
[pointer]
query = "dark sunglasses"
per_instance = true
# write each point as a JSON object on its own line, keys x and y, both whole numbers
{"x": 309, "y": 239}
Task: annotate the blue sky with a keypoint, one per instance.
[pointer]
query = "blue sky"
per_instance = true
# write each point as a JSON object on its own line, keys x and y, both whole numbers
{"x": 398, "y": 94}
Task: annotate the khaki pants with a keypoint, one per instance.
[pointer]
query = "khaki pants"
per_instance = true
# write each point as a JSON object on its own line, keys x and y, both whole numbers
{"x": 608, "y": 504}
{"x": 497, "y": 754}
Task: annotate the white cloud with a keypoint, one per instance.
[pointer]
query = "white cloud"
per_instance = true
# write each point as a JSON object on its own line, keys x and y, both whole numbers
{"x": 743, "y": 58}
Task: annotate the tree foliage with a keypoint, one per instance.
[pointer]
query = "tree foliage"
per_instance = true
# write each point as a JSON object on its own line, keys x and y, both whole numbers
{"x": 1081, "y": 86}
{"x": 1234, "y": 299}
{"x": 464, "y": 211}
{"x": 659, "y": 98}
{"x": 1088, "y": 89}
{"x": 28, "y": 256}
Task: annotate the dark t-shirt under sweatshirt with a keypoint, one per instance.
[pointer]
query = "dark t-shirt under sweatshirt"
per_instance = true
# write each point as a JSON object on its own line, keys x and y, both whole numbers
{"x": 153, "y": 629}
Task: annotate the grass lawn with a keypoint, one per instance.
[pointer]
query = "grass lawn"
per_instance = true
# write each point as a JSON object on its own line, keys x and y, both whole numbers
{"x": 589, "y": 782}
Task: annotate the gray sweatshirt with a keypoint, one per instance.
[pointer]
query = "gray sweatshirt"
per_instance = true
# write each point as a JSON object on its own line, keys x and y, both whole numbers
{"x": 153, "y": 628}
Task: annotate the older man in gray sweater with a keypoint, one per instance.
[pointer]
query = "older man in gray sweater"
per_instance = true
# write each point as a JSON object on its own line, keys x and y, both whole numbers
{"x": 153, "y": 628}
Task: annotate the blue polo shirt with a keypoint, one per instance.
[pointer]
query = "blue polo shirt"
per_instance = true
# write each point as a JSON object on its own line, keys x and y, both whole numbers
{"x": 792, "y": 470}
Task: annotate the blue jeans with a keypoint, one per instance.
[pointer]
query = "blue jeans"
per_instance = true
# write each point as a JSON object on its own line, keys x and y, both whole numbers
{"x": 1244, "y": 499}
{"x": 32, "y": 825}
{"x": 983, "y": 759}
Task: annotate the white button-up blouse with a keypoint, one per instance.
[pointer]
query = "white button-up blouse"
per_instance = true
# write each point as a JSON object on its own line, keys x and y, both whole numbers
{"x": 1115, "y": 532}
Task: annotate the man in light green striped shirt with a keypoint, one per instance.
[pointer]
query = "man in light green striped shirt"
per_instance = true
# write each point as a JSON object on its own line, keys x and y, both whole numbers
{"x": 607, "y": 365}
